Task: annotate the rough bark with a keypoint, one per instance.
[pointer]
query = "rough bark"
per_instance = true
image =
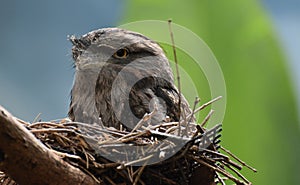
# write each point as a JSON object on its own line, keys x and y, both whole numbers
{"x": 26, "y": 160}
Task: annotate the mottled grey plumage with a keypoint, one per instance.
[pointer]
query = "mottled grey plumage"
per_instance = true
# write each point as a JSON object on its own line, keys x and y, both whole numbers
{"x": 120, "y": 90}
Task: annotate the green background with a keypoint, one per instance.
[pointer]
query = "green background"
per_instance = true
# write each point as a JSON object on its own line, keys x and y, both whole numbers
{"x": 260, "y": 124}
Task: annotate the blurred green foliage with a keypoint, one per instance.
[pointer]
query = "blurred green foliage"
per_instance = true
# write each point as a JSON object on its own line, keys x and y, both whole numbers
{"x": 260, "y": 124}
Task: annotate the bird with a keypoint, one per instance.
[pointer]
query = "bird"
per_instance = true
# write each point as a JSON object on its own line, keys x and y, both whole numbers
{"x": 121, "y": 76}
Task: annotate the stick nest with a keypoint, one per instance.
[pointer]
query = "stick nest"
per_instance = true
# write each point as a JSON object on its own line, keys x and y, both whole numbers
{"x": 169, "y": 153}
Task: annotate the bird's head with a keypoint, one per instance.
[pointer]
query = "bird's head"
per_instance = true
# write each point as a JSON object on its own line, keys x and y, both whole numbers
{"x": 118, "y": 48}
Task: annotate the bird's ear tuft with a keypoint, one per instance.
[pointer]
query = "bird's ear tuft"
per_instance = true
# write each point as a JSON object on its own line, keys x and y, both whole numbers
{"x": 81, "y": 43}
{"x": 73, "y": 39}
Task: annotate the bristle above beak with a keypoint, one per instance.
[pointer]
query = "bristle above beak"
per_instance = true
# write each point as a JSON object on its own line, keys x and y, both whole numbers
{"x": 73, "y": 39}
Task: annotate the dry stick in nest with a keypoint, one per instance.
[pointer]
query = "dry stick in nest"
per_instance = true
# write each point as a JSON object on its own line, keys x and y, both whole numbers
{"x": 203, "y": 106}
{"x": 197, "y": 100}
{"x": 140, "y": 171}
{"x": 207, "y": 118}
{"x": 177, "y": 73}
{"x": 239, "y": 160}
{"x": 220, "y": 179}
{"x": 217, "y": 169}
{"x": 236, "y": 172}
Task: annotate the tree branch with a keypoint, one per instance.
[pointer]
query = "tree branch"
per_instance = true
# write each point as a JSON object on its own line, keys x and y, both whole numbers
{"x": 27, "y": 161}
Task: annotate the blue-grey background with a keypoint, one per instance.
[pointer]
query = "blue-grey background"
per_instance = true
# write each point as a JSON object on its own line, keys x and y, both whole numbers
{"x": 36, "y": 72}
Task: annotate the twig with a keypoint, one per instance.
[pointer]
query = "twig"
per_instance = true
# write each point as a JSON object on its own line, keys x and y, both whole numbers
{"x": 236, "y": 172}
{"x": 134, "y": 162}
{"x": 154, "y": 127}
{"x": 97, "y": 128}
{"x": 36, "y": 118}
{"x": 170, "y": 136}
{"x": 207, "y": 104}
{"x": 63, "y": 155}
{"x": 109, "y": 180}
{"x": 33, "y": 125}
{"x": 52, "y": 130}
{"x": 86, "y": 157}
{"x": 145, "y": 118}
{"x": 220, "y": 179}
{"x": 23, "y": 122}
{"x": 141, "y": 169}
{"x": 130, "y": 137}
{"x": 224, "y": 157}
{"x": 218, "y": 170}
{"x": 177, "y": 71}
{"x": 207, "y": 118}
{"x": 197, "y": 100}
{"x": 167, "y": 180}
{"x": 239, "y": 160}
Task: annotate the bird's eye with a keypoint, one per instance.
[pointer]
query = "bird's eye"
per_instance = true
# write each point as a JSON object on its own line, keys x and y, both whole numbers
{"x": 121, "y": 53}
